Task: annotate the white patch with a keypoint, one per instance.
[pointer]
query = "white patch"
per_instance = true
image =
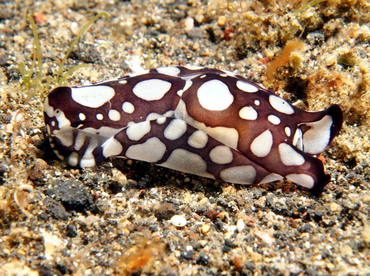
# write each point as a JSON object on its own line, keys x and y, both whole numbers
{"x": 246, "y": 87}
{"x": 289, "y": 156}
{"x": 150, "y": 151}
{"x": 49, "y": 110}
{"x": 302, "y": 179}
{"x": 112, "y": 147}
{"x": 225, "y": 135}
{"x": 198, "y": 139}
{"x": 257, "y": 102}
{"x": 128, "y": 107}
{"x": 137, "y": 131}
{"x": 316, "y": 139}
{"x": 270, "y": 178}
{"x": 188, "y": 83}
{"x": 193, "y": 67}
{"x": 114, "y": 115}
{"x": 248, "y": 113}
{"x": 61, "y": 157}
{"x": 92, "y": 96}
{"x": 88, "y": 159}
{"x": 185, "y": 161}
{"x": 154, "y": 116}
{"x": 161, "y": 120}
{"x": 48, "y": 128}
{"x": 65, "y": 136}
{"x": 99, "y": 116}
{"x": 261, "y": 145}
{"x": 80, "y": 140}
{"x": 172, "y": 71}
{"x": 82, "y": 117}
{"x": 214, "y": 95}
{"x": 203, "y": 76}
{"x": 87, "y": 162}
{"x": 62, "y": 119}
{"x": 103, "y": 131}
{"x": 151, "y": 90}
{"x": 239, "y": 174}
{"x": 288, "y": 131}
{"x": 175, "y": 129}
{"x": 221, "y": 155}
{"x": 280, "y": 105}
{"x": 275, "y": 120}
{"x": 122, "y": 81}
{"x": 73, "y": 159}
{"x": 52, "y": 124}
{"x": 297, "y": 139}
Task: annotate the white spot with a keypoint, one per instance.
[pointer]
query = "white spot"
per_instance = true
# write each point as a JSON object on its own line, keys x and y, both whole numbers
{"x": 198, "y": 139}
{"x": 99, "y": 116}
{"x": 203, "y": 76}
{"x": 248, "y": 113}
{"x": 289, "y": 156}
{"x": 215, "y": 95}
{"x": 73, "y": 159}
{"x": 261, "y": 145}
{"x": 280, "y": 105}
{"x": 137, "y": 131}
{"x": 161, "y": 120}
{"x": 175, "y": 129}
{"x": 172, "y": 71}
{"x": 112, "y": 147}
{"x": 151, "y": 90}
{"x": 239, "y": 174}
{"x": 48, "y": 129}
{"x": 257, "y": 102}
{"x": 246, "y": 87}
{"x": 52, "y": 124}
{"x": 178, "y": 221}
{"x": 221, "y": 155}
{"x": 82, "y": 117}
{"x": 114, "y": 115}
{"x": 122, "y": 81}
{"x": 270, "y": 178}
{"x": 297, "y": 139}
{"x": 185, "y": 161}
{"x": 288, "y": 131}
{"x": 275, "y": 120}
{"x": 302, "y": 179}
{"x": 316, "y": 139}
{"x": 92, "y": 96}
{"x": 150, "y": 151}
{"x": 128, "y": 107}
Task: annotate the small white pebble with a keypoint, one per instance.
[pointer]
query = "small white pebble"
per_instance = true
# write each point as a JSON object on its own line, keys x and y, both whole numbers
{"x": 189, "y": 23}
{"x": 74, "y": 28}
{"x": 240, "y": 225}
{"x": 178, "y": 221}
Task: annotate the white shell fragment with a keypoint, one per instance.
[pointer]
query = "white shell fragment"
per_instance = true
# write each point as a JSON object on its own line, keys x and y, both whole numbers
{"x": 178, "y": 221}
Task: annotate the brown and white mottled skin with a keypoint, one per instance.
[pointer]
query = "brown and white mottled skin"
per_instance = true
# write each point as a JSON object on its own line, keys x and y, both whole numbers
{"x": 203, "y": 121}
